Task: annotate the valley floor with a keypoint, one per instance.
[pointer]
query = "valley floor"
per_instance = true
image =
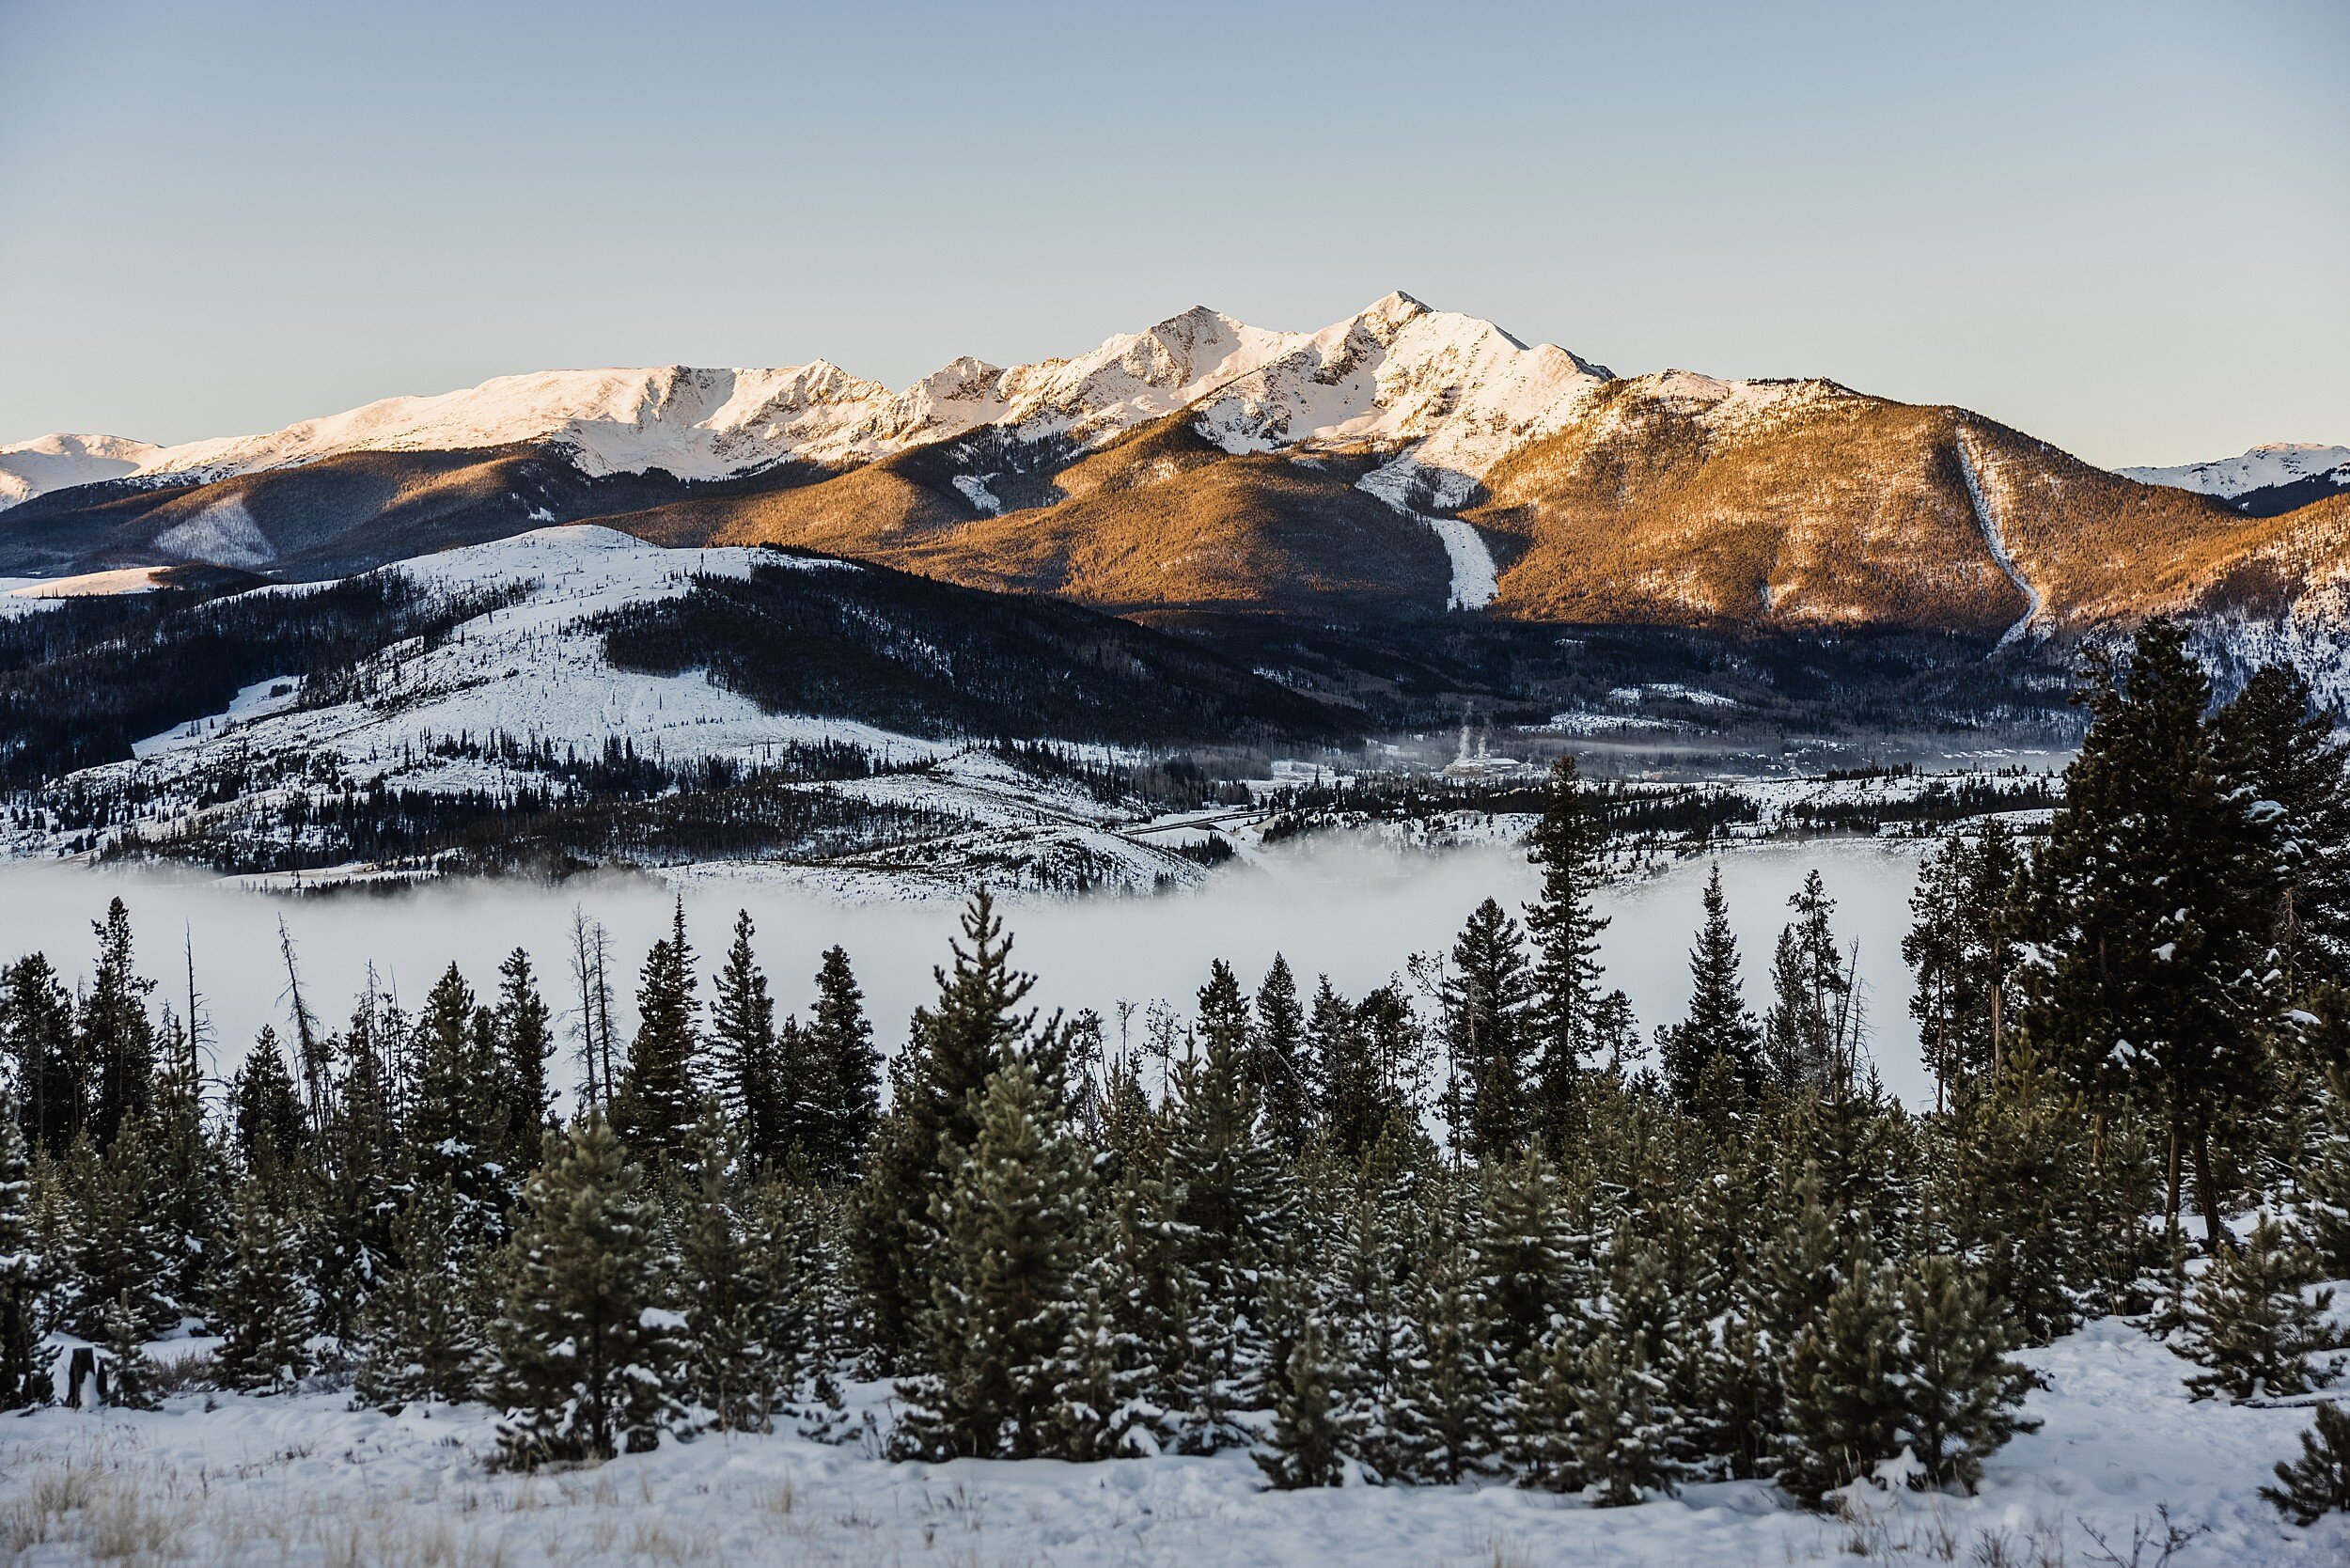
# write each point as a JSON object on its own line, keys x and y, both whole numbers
{"x": 306, "y": 1479}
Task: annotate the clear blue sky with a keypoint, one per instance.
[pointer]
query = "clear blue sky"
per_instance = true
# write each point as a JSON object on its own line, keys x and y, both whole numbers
{"x": 2122, "y": 227}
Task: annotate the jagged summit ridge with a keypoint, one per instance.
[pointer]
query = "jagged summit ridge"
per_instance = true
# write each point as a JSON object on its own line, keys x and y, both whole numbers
{"x": 1452, "y": 391}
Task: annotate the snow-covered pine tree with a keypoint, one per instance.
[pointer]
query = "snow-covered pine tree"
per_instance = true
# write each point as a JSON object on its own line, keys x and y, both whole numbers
{"x": 1010, "y": 1226}
{"x": 740, "y": 1287}
{"x": 113, "y": 1239}
{"x": 1806, "y": 1036}
{"x": 525, "y": 1032}
{"x": 1360, "y": 1285}
{"x": 22, "y": 1381}
{"x": 115, "y": 1034}
{"x": 1622, "y": 1431}
{"x": 1310, "y": 1433}
{"x": 1485, "y": 999}
{"x": 1525, "y": 1260}
{"x": 2321, "y": 1214}
{"x": 2275, "y": 746}
{"x": 2011, "y": 1194}
{"x": 1232, "y": 1203}
{"x": 1847, "y": 1375}
{"x": 1449, "y": 1398}
{"x": 1277, "y": 1059}
{"x": 841, "y": 1106}
{"x": 1565, "y": 927}
{"x": 2252, "y": 1324}
{"x": 1960, "y": 1394}
{"x": 132, "y": 1373}
{"x": 936, "y": 1082}
{"x": 659, "y": 1095}
{"x": 50, "y": 1079}
{"x": 187, "y": 1172}
{"x": 421, "y": 1329}
{"x": 264, "y": 1108}
{"x": 747, "y": 1061}
{"x": 456, "y": 1124}
{"x": 2151, "y": 915}
{"x": 1962, "y": 947}
{"x": 262, "y": 1303}
{"x": 583, "y": 1353}
{"x": 1100, "y": 1377}
{"x": 1719, "y": 1024}
{"x": 2318, "y": 1483}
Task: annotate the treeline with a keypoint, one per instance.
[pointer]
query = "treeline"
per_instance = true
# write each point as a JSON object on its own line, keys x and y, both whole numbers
{"x": 83, "y": 679}
{"x": 928, "y": 658}
{"x": 1461, "y": 1227}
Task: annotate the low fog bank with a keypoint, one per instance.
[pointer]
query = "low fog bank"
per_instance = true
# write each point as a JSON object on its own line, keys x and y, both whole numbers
{"x": 1347, "y": 909}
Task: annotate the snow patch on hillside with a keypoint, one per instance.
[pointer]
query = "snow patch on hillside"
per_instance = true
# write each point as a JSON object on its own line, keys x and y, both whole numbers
{"x": 1994, "y": 539}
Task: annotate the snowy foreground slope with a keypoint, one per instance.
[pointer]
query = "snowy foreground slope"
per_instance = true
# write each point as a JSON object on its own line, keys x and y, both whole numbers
{"x": 306, "y": 1480}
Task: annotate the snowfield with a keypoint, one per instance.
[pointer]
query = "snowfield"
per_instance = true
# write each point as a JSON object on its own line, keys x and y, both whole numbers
{"x": 306, "y": 1479}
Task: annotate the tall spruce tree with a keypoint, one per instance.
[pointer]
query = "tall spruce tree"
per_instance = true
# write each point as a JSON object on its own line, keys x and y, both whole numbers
{"x": 263, "y": 1303}
{"x": 2276, "y": 751}
{"x": 956, "y": 1043}
{"x": 116, "y": 1035}
{"x": 53, "y": 1091}
{"x": 1811, "y": 1035}
{"x": 525, "y": 1030}
{"x": 1719, "y": 1024}
{"x": 23, "y": 1380}
{"x": 1485, "y": 997}
{"x": 1962, "y": 948}
{"x": 456, "y": 1124}
{"x": 659, "y": 1095}
{"x": 840, "y": 1103}
{"x": 2150, "y": 914}
{"x": 1564, "y": 926}
{"x": 583, "y": 1353}
{"x": 265, "y": 1111}
{"x": 747, "y": 1059}
{"x": 739, "y": 1287}
{"x": 1277, "y": 1061}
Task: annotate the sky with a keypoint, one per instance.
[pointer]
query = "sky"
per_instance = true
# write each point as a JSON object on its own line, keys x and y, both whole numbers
{"x": 2123, "y": 227}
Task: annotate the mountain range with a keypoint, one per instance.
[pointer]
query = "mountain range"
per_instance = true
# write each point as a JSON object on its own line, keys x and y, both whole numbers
{"x": 1397, "y": 465}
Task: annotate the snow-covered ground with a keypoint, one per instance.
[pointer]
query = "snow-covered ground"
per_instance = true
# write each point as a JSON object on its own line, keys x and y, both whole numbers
{"x": 306, "y": 1479}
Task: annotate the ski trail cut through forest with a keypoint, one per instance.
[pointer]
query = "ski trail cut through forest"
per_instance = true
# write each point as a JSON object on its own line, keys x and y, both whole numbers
{"x": 1987, "y": 518}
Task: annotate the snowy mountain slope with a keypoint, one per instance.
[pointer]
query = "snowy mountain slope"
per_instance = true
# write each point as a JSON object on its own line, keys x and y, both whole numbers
{"x": 2264, "y": 466}
{"x": 60, "y": 462}
{"x": 1396, "y": 374}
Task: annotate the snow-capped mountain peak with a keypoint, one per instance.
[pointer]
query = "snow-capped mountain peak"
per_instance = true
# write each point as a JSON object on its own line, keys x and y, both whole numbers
{"x": 1451, "y": 392}
{"x": 60, "y": 462}
{"x": 2270, "y": 464}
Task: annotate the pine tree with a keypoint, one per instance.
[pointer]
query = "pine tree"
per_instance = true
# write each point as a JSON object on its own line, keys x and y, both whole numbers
{"x": 53, "y": 1092}
{"x": 2252, "y": 1328}
{"x": 1963, "y": 950}
{"x": 116, "y": 1036}
{"x": 1485, "y": 997}
{"x": 261, "y": 1300}
{"x": 2274, "y": 745}
{"x": 1565, "y": 929}
{"x": 1450, "y": 1392}
{"x": 937, "y": 1084}
{"x": 1310, "y": 1434}
{"x": 2149, "y": 912}
{"x": 840, "y": 1105}
{"x": 2323, "y": 1212}
{"x": 114, "y": 1242}
{"x": 582, "y": 1355}
{"x": 132, "y": 1373}
{"x": 746, "y": 1308}
{"x": 1230, "y": 1197}
{"x": 187, "y": 1175}
{"x": 1845, "y": 1376}
{"x": 1523, "y": 1256}
{"x": 747, "y": 1062}
{"x": 2016, "y": 1195}
{"x": 23, "y": 1380}
{"x": 1808, "y": 1035}
{"x": 2318, "y": 1483}
{"x": 1010, "y": 1225}
{"x": 525, "y": 1032}
{"x": 456, "y": 1124}
{"x": 263, "y": 1106}
{"x": 659, "y": 1095}
{"x": 1720, "y": 1026}
{"x": 1960, "y": 1394}
{"x": 422, "y": 1324}
{"x": 1276, "y": 1059}
{"x": 1622, "y": 1431}
{"x": 1101, "y": 1408}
